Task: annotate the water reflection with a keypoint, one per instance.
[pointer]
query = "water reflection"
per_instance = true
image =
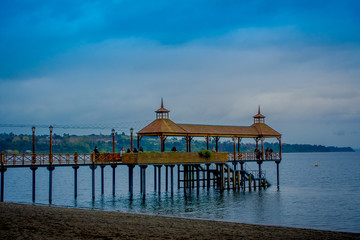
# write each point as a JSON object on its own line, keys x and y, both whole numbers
{"x": 328, "y": 204}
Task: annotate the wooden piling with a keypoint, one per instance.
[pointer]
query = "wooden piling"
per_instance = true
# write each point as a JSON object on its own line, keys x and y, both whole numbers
{"x": 131, "y": 179}
{"x": 113, "y": 166}
{"x": 172, "y": 179}
{"x": 75, "y": 180}
{"x": 166, "y": 177}
{"x": 159, "y": 190}
{"x": 102, "y": 178}
{"x": 51, "y": 169}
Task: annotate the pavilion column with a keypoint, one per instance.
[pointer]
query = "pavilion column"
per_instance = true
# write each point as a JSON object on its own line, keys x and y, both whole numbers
{"x": 234, "y": 139}
{"x": 262, "y": 148}
{"x": 207, "y": 142}
{"x": 138, "y": 142}
{"x": 162, "y": 142}
{"x": 216, "y": 143}
{"x": 238, "y": 145}
{"x": 257, "y": 141}
{"x": 190, "y": 138}
{"x": 187, "y": 143}
{"x": 279, "y": 139}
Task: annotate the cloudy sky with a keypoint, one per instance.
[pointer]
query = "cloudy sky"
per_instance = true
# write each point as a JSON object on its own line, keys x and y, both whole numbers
{"x": 213, "y": 62}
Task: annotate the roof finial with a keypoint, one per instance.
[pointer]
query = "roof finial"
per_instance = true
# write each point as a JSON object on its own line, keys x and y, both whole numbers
{"x": 259, "y": 110}
{"x": 162, "y": 103}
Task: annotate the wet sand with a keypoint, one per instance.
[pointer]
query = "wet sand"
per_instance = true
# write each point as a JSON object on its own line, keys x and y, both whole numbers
{"x": 20, "y": 221}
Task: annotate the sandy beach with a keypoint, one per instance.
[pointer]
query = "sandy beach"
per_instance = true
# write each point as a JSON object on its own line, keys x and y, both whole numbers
{"x": 20, "y": 221}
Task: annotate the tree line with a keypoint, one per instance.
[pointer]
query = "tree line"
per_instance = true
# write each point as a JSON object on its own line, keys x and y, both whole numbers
{"x": 11, "y": 143}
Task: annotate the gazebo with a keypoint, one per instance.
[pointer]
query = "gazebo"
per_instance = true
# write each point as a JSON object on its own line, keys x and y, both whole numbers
{"x": 163, "y": 127}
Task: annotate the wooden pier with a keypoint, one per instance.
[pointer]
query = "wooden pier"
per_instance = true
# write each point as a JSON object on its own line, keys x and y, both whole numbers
{"x": 220, "y": 170}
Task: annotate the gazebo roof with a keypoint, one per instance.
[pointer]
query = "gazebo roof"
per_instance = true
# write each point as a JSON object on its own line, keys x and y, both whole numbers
{"x": 166, "y": 127}
{"x": 163, "y": 126}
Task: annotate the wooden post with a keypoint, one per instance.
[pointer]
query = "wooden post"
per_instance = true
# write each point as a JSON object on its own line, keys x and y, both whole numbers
{"x": 93, "y": 167}
{"x": 131, "y": 179}
{"x": 280, "y": 147}
{"x": 238, "y": 179}
{"x": 249, "y": 182}
{"x": 33, "y": 169}
{"x": 102, "y": 178}
{"x": 3, "y": 170}
{"x": 228, "y": 177}
{"x": 113, "y": 166}
{"x": 207, "y": 142}
{"x": 172, "y": 179}
{"x": 234, "y": 179}
{"x": 159, "y": 190}
{"x": 75, "y": 180}
{"x": 143, "y": 180}
{"x": 197, "y": 180}
{"x": 155, "y": 178}
{"x": 178, "y": 176}
{"x": 208, "y": 175}
{"x": 166, "y": 177}
{"x": 262, "y": 148}
{"x": 277, "y": 174}
{"x": 50, "y": 168}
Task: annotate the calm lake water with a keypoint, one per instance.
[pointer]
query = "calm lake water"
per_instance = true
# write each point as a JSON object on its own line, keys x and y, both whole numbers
{"x": 326, "y": 197}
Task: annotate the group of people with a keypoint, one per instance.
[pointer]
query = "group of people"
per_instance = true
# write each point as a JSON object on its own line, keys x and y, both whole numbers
{"x": 97, "y": 153}
{"x": 268, "y": 153}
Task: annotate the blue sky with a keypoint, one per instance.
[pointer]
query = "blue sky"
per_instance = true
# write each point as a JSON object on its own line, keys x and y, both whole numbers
{"x": 214, "y": 62}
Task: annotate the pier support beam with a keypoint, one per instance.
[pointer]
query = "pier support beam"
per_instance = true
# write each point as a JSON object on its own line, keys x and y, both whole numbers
{"x": 93, "y": 167}
{"x": 159, "y": 168}
{"x": 197, "y": 180}
{"x": 102, "y": 178}
{"x": 143, "y": 180}
{"x": 51, "y": 169}
{"x": 242, "y": 182}
{"x": 260, "y": 174}
{"x": 277, "y": 173}
{"x": 75, "y": 180}
{"x": 178, "y": 168}
{"x": 166, "y": 178}
{"x": 155, "y": 179}
{"x": 113, "y": 166}
{"x": 33, "y": 169}
{"x": 208, "y": 176}
{"x": 3, "y": 170}
{"x": 131, "y": 179}
{"x": 172, "y": 179}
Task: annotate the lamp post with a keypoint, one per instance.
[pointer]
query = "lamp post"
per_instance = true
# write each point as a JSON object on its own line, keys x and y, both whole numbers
{"x": 131, "y": 138}
{"x": 33, "y": 142}
{"x": 113, "y": 139}
{"x": 51, "y": 128}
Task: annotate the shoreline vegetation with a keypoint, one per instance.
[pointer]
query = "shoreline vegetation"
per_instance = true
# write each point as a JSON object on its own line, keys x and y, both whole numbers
{"x": 21, "y": 221}
{"x": 15, "y": 144}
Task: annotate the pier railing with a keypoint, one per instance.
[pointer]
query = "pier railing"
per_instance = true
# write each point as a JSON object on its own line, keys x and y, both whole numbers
{"x": 250, "y": 156}
{"x": 133, "y": 158}
{"x": 58, "y": 159}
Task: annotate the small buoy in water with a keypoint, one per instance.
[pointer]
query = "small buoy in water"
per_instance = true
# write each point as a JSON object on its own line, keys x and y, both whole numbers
{"x": 316, "y": 164}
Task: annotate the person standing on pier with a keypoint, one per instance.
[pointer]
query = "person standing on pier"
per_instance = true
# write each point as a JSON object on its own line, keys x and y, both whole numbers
{"x": 97, "y": 153}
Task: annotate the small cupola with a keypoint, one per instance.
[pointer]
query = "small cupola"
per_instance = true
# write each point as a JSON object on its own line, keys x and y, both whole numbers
{"x": 162, "y": 113}
{"x": 259, "y": 118}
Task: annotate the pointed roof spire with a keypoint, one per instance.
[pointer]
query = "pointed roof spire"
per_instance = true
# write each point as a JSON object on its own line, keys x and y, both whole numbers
{"x": 259, "y": 115}
{"x": 162, "y": 109}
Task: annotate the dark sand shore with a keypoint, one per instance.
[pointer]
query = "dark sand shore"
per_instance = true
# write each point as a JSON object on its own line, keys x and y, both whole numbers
{"x": 19, "y": 221}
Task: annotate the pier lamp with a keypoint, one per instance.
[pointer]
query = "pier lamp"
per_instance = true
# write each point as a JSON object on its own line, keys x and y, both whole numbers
{"x": 51, "y": 128}
{"x": 33, "y": 144}
{"x": 113, "y": 139}
{"x": 131, "y": 138}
